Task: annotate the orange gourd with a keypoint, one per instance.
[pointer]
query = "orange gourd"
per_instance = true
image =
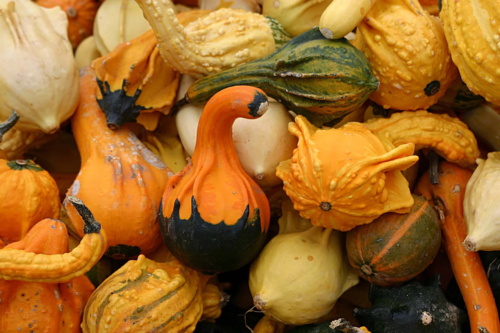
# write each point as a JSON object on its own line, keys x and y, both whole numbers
{"x": 120, "y": 180}
{"x": 43, "y": 307}
{"x": 80, "y": 15}
{"x": 214, "y": 217}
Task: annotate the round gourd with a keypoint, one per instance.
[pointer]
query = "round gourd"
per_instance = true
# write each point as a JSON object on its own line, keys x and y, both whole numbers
{"x": 395, "y": 247}
{"x": 28, "y": 194}
{"x": 86, "y": 52}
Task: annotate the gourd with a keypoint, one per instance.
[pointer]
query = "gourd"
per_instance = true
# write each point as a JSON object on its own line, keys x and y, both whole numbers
{"x": 133, "y": 79}
{"x": 17, "y": 263}
{"x": 480, "y": 211}
{"x": 308, "y": 269}
{"x": 40, "y": 83}
{"x": 28, "y": 194}
{"x": 213, "y": 300}
{"x": 5, "y": 127}
{"x": 261, "y": 144}
{"x": 484, "y": 122}
{"x": 447, "y": 199}
{"x": 269, "y": 325}
{"x": 431, "y": 6}
{"x": 80, "y": 14}
{"x": 472, "y": 33}
{"x": 459, "y": 97}
{"x": 117, "y": 22}
{"x": 147, "y": 296}
{"x": 86, "y": 52}
{"x": 411, "y": 308}
{"x": 395, "y": 247}
{"x": 120, "y": 180}
{"x": 213, "y": 216}
{"x": 247, "y": 5}
{"x": 330, "y": 327}
{"x": 408, "y": 52}
{"x": 447, "y": 136}
{"x": 296, "y": 17}
{"x": 342, "y": 16}
{"x": 39, "y": 306}
{"x": 323, "y": 80}
{"x": 223, "y": 39}
{"x": 361, "y": 182}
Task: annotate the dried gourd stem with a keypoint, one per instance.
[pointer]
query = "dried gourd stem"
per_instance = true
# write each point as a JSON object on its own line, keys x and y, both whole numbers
{"x": 433, "y": 167}
{"x": 91, "y": 225}
{"x": 345, "y": 326}
{"x": 252, "y": 309}
{"x": 177, "y": 106}
{"x": 8, "y": 124}
{"x": 224, "y": 299}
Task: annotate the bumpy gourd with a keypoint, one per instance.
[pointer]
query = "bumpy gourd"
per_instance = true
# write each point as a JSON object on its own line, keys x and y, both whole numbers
{"x": 473, "y": 35}
{"x": 28, "y": 194}
{"x": 480, "y": 209}
{"x": 408, "y": 52}
{"x": 134, "y": 78}
{"x": 146, "y": 296}
{"x": 38, "y": 76}
{"x": 448, "y": 136}
{"x": 213, "y": 301}
{"x": 16, "y": 263}
{"x": 120, "y": 180}
{"x": 213, "y": 216}
{"x": 223, "y": 39}
{"x": 341, "y": 178}
{"x": 308, "y": 269}
{"x": 29, "y": 307}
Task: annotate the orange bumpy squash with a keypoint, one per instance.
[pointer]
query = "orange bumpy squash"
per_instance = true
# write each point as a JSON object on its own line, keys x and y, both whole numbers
{"x": 341, "y": 178}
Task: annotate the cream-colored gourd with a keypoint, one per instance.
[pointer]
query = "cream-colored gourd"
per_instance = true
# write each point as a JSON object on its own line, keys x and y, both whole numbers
{"x": 86, "y": 52}
{"x": 38, "y": 74}
{"x": 261, "y": 143}
{"x": 221, "y": 40}
{"x": 247, "y": 5}
{"x": 116, "y": 22}
{"x": 299, "y": 275}
{"x": 342, "y": 16}
{"x": 481, "y": 210}
{"x": 296, "y": 16}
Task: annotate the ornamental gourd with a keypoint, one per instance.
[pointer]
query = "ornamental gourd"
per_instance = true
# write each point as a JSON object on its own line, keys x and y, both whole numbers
{"x": 341, "y": 178}
{"x": 28, "y": 194}
{"x": 214, "y": 217}
{"x": 146, "y": 296}
{"x": 408, "y": 52}
{"x": 43, "y": 306}
{"x": 395, "y": 247}
{"x": 18, "y": 263}
{"x": 473, "y": 35}
{"x": 307, "y": 268}
{"x": 120, "y": 180}
{"x": 223, "y": 39}
{"x": 480, "y": 209}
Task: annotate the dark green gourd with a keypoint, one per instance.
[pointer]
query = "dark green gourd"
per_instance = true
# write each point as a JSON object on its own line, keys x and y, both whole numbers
{"x": 321, "y": 79}
{"x": 411, "y": 308}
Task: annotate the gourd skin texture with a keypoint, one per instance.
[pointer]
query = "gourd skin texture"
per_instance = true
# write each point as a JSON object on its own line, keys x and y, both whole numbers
{"x": 28, "y": 307}
{"x": 481, "y": 211}
{"x": 120, "y": 180}
{"x": 28, "y": 194}
{"x": 299, "y": 275}
{"x": 146, "y": 296}
{"x": 211, "y": 302}
{"x": 39, "y": 78}
{"x": 359, "y": 184}
{"x": 473, "y": 32}
{"x": 395, "y": 247}
{"x": 214, "y": 217}
{"x": 448, "y": 136}
{"x": 408, "y": 52}
{"x": 223, "y": 39}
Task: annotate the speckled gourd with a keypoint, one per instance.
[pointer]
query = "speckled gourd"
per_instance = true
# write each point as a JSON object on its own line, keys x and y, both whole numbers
{"x": 408, "y": 52}
{"x": 341, "y": 178}
{"x": 223, "y": 39}
{"x": 472, "y": 29}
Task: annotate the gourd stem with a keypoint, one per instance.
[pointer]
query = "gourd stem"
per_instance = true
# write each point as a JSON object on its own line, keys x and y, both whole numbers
{"x": 434, "y": 167}
{"x": 8, "y": 124}
{"x": 91, "y": 225}
{"x": 177, "y": 106}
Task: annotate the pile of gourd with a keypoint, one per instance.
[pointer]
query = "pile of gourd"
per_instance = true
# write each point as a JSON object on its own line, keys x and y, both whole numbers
{"x": 220, "y": 166}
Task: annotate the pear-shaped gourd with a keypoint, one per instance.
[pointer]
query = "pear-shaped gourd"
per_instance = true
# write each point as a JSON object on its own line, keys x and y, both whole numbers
{"x": 481, "y": 210}
{"x": 38, "y": 74}
{"x": 213, "y": 216}
{"x": 300, "y": 273}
